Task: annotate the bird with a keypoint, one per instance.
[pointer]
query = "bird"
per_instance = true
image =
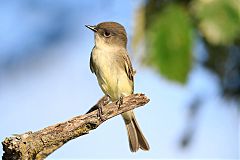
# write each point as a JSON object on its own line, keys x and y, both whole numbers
{"x": 110, "y": 62}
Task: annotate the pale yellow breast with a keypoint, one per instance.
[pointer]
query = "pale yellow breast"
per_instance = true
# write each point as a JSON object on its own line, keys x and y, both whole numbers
{"x": 111, "y": 76}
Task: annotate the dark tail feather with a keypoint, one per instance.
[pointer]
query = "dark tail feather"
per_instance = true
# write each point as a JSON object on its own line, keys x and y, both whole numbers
{"x": 141, "y": 139}
{"x": 135, "y": 135}
{"x": 132, "y": 136}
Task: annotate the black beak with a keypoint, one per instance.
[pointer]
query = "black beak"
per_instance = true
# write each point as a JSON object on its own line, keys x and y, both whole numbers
{"x": 93, "y": 28}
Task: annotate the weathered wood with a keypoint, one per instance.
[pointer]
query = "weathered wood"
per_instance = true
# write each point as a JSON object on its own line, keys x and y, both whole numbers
{"x": 39, "y": 144}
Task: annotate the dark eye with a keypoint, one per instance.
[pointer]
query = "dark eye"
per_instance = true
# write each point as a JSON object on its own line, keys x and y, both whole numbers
{"x": 107, "y": 34}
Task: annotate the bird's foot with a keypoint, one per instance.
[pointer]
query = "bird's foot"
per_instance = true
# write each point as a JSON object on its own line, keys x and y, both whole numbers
{"x": 119, "y": 102}
{"x": 100, "y": 112}
{"x": 101, "y": 103}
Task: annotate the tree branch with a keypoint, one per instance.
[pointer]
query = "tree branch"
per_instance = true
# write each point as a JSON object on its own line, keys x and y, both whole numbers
{"x": 38, "y": 145}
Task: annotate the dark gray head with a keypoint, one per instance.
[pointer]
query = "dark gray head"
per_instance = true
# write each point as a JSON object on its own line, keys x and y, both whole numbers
{"x": 110, "y": 34}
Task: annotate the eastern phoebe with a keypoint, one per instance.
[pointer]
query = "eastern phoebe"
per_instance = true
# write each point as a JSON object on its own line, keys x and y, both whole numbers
{"x": 111, "y": 64}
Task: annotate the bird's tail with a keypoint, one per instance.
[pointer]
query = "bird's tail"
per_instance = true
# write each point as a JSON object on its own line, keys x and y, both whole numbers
{"x": 135, "y": 135}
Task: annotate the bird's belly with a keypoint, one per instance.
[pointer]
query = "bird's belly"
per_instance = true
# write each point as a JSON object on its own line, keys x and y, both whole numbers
{"x": 112, "y": 79}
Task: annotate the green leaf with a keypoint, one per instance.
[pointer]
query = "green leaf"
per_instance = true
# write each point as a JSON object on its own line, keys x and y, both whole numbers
{"x": 219, "y": 20}
{"x": 169, "y": 43}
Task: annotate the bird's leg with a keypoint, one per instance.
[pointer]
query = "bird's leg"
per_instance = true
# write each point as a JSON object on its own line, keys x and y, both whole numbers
{"x": 99, "y": 106}
{"x": 101, "y": 103}
{"x": 100, "y": 112}
{"x": 119, "y": 102}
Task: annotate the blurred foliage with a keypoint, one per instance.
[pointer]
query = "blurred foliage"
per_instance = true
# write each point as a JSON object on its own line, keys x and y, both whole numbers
{"x": 170, "y": 29}
{"x": 219, "y": 20}
{"x": 170, "y": 45}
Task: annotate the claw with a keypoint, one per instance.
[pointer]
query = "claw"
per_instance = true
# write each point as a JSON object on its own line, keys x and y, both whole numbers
{"x": 100, "y": 104}
{"x": 100, "y": 113}
{"x": 119, "y": 102}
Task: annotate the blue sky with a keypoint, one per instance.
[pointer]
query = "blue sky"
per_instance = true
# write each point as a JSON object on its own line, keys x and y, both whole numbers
{"x": 53, "y": 84}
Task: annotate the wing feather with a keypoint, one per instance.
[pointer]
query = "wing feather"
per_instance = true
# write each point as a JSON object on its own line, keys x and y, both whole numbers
{"x": 128, "y": 67}
{"x": 124, "y": 61}
{"x": 92, "y": 66}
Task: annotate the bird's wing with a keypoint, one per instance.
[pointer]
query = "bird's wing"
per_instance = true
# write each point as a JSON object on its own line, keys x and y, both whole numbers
{"x": 126, "y": 63}
{"x": 128, "y": 67}
{"x": 92, "y": 66}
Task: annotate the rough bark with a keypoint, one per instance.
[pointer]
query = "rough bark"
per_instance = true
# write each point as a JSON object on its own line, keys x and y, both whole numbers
{"x": 38, "y": 145}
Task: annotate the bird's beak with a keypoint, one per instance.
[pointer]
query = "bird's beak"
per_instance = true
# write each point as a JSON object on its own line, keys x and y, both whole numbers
{"x": 93, "y": 28}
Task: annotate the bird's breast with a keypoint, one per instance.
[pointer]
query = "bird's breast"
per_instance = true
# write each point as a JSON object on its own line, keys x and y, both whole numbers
{"x": 111, "y": 76}
{"x": 106, "y": 64}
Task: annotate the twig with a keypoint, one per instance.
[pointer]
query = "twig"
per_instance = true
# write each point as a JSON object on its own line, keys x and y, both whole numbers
{"x": 38, "y": 145}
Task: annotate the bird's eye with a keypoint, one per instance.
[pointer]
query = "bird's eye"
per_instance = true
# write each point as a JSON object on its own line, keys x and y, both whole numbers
{"x": 107, "y": 34}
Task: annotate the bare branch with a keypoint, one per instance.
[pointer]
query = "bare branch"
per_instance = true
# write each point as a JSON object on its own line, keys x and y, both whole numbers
{"x": 38, "y": 145}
